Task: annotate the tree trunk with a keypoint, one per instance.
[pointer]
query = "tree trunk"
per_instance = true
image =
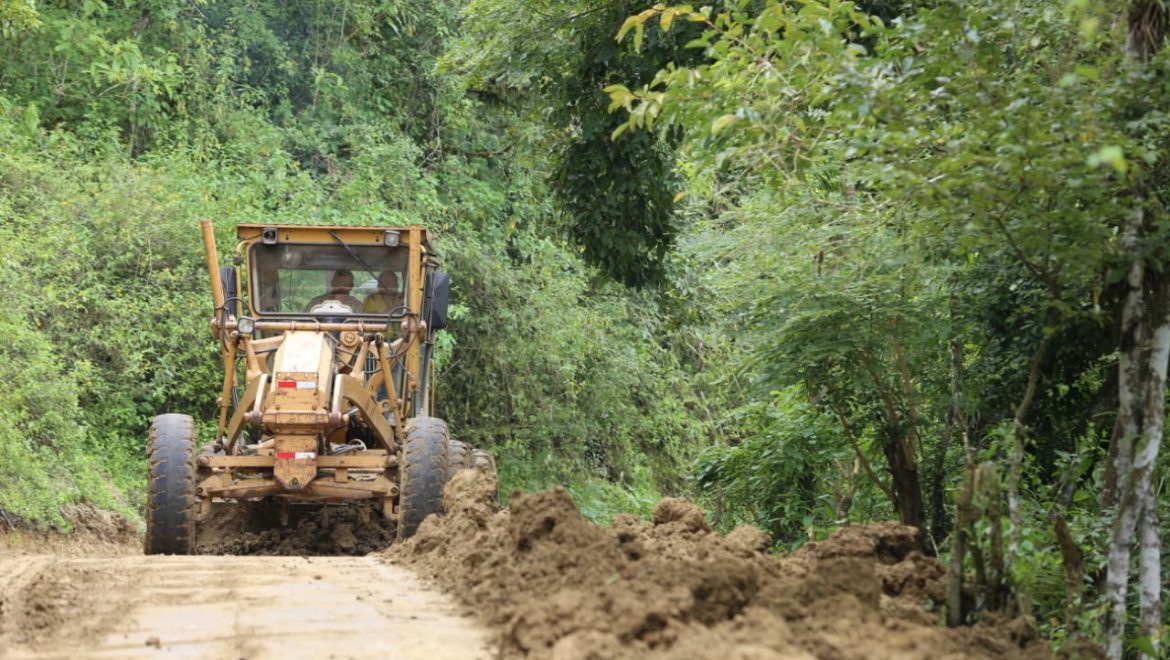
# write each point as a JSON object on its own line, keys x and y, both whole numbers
{"x": 1016, "y": 455}
{"x": 904, "y": 469}
{"x": 899, "y": 438}
{"x": 997, "y": 589}
{"x": 964, "y": 521}
{"x": 906, "y": 472}
{"x": 843, "y": 498}
{"x": 1150, "y": 572}
{"x": 1074, "y": 572}
{"x": 938, "y": 512}
{"x": 1145, "y": 349}
{"x": 1108, "y": 499}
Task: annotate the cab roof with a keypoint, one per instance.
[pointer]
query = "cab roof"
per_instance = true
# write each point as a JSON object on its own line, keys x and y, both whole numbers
{"x": 325, "y": 233}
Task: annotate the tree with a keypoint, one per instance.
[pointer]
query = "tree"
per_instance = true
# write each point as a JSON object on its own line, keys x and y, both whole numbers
{"x": 1014, "y": 136}
{"x": 1144, "y": 354}
{"x": 617, "y": 197}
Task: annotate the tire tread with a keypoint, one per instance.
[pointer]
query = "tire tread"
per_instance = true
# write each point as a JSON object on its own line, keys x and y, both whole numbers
{"x": 424, "y": 473}
{"x": 170, "y": 506}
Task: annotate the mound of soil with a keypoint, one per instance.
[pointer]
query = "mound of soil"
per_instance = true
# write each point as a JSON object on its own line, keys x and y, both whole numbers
{"x": 557, "y": 586}
{"x": 256, "y": 528}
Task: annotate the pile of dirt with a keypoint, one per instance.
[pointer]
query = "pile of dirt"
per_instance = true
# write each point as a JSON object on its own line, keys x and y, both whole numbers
{"x": 557, "y": 586}
{"x": 263, "y": 528}
{"x": 90, "y": 522}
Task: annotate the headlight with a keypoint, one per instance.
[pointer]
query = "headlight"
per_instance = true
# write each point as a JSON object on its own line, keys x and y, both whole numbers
{"x": 246, "y": 325}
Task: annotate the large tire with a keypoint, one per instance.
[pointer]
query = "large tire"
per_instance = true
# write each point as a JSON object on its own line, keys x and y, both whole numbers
{"x": 170, "y": 506}
{"x": 424, "y": 473}
{"x": 458, "y": 458}
{"x": 485, "y": 463}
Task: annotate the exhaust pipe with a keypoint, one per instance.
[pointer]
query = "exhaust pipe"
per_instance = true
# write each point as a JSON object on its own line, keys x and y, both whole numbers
{"x": 212, "y": 265}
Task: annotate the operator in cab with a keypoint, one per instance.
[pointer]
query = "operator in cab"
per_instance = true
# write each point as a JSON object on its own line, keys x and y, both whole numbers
{"x": 340, "y": 284}
{"x": 387, "y": 297}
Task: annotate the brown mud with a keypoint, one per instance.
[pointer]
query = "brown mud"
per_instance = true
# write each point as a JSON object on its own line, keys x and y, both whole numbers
{"x": 256, "y": 528}
{"x": 557, "y": 586}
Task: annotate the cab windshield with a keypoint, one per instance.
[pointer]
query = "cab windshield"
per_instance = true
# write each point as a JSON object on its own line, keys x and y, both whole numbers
{"x": 327, "y": 280}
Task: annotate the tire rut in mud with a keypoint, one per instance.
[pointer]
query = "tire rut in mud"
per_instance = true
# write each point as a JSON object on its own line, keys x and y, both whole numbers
{"x": 39, "y": 596}
{"x": 555, "y": 585}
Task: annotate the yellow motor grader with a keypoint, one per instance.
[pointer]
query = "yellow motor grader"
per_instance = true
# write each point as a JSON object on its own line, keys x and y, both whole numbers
{"x": 327, "y": 339}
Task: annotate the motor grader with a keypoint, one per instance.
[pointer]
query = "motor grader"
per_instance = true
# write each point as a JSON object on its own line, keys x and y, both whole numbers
{"x": 327, "y": 340}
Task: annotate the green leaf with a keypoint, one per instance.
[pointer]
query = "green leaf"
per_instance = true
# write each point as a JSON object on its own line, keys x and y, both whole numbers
{"x": 666, "y": 19}
{"x": 626, "y": 27}
{"x": 722, "y": 122}
{"x": 1145, "y": 645}
{"x": 1110, "y": 155}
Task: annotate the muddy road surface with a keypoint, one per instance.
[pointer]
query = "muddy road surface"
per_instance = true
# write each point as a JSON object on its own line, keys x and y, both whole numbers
{"x": 544, "y": 582}
{"x": 131, "y": 606}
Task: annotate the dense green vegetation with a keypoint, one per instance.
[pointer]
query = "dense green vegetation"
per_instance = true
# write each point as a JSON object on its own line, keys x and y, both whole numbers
{"x": 809, "y": 262}
{"x": 124, "y": 126}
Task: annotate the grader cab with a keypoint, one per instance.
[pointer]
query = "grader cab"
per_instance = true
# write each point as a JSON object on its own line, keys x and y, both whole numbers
{"x": 327, "y": 340}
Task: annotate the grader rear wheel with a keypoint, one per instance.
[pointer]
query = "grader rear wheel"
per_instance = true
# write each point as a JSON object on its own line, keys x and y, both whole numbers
{"x": 459, "y": 457}
{"x": 424, "y": 473}
{"x": 170, "y": 506}
{"x": 484, "y": 462}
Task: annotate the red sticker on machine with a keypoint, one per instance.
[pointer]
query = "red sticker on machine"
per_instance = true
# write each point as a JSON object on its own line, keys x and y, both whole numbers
{"x": 296, "y": 454}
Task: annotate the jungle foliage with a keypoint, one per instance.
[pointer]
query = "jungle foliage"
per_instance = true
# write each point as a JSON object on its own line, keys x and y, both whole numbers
{"x": 955, "y": 219}
{"x": 122, "y": 125}
{"x": 812, "y": 262}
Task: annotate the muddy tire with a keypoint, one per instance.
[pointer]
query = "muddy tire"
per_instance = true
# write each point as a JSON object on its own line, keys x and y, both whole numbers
{"x": 170, "y": 505}
{"x": 486, "y": 463}
{"x": 459, "y": 457}
{"x": 424, "y": 472}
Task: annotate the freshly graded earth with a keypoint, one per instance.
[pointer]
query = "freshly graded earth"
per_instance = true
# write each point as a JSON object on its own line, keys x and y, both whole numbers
{"x": 124, "y": 606}
{"x": 93, "y": 594}
{"x": 554, "y": 585}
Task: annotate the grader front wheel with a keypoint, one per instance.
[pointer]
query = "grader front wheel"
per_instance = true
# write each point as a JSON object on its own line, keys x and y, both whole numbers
{"x": 424, "y": 473}
{"x": 170, "y": 506}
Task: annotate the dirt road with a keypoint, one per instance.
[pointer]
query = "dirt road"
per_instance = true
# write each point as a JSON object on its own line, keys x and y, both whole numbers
{"x": 548, "y": 583}
{"x": 226, "y": 607}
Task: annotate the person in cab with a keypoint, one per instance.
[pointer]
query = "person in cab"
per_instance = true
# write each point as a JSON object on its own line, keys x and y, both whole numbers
{"x": 340, "y": 284}
{"x": 387, "y": 297}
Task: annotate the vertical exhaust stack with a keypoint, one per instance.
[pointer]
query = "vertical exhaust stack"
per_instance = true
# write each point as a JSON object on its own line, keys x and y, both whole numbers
{"x": 229, "y": 351}
{"x": 212, "y": 264}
